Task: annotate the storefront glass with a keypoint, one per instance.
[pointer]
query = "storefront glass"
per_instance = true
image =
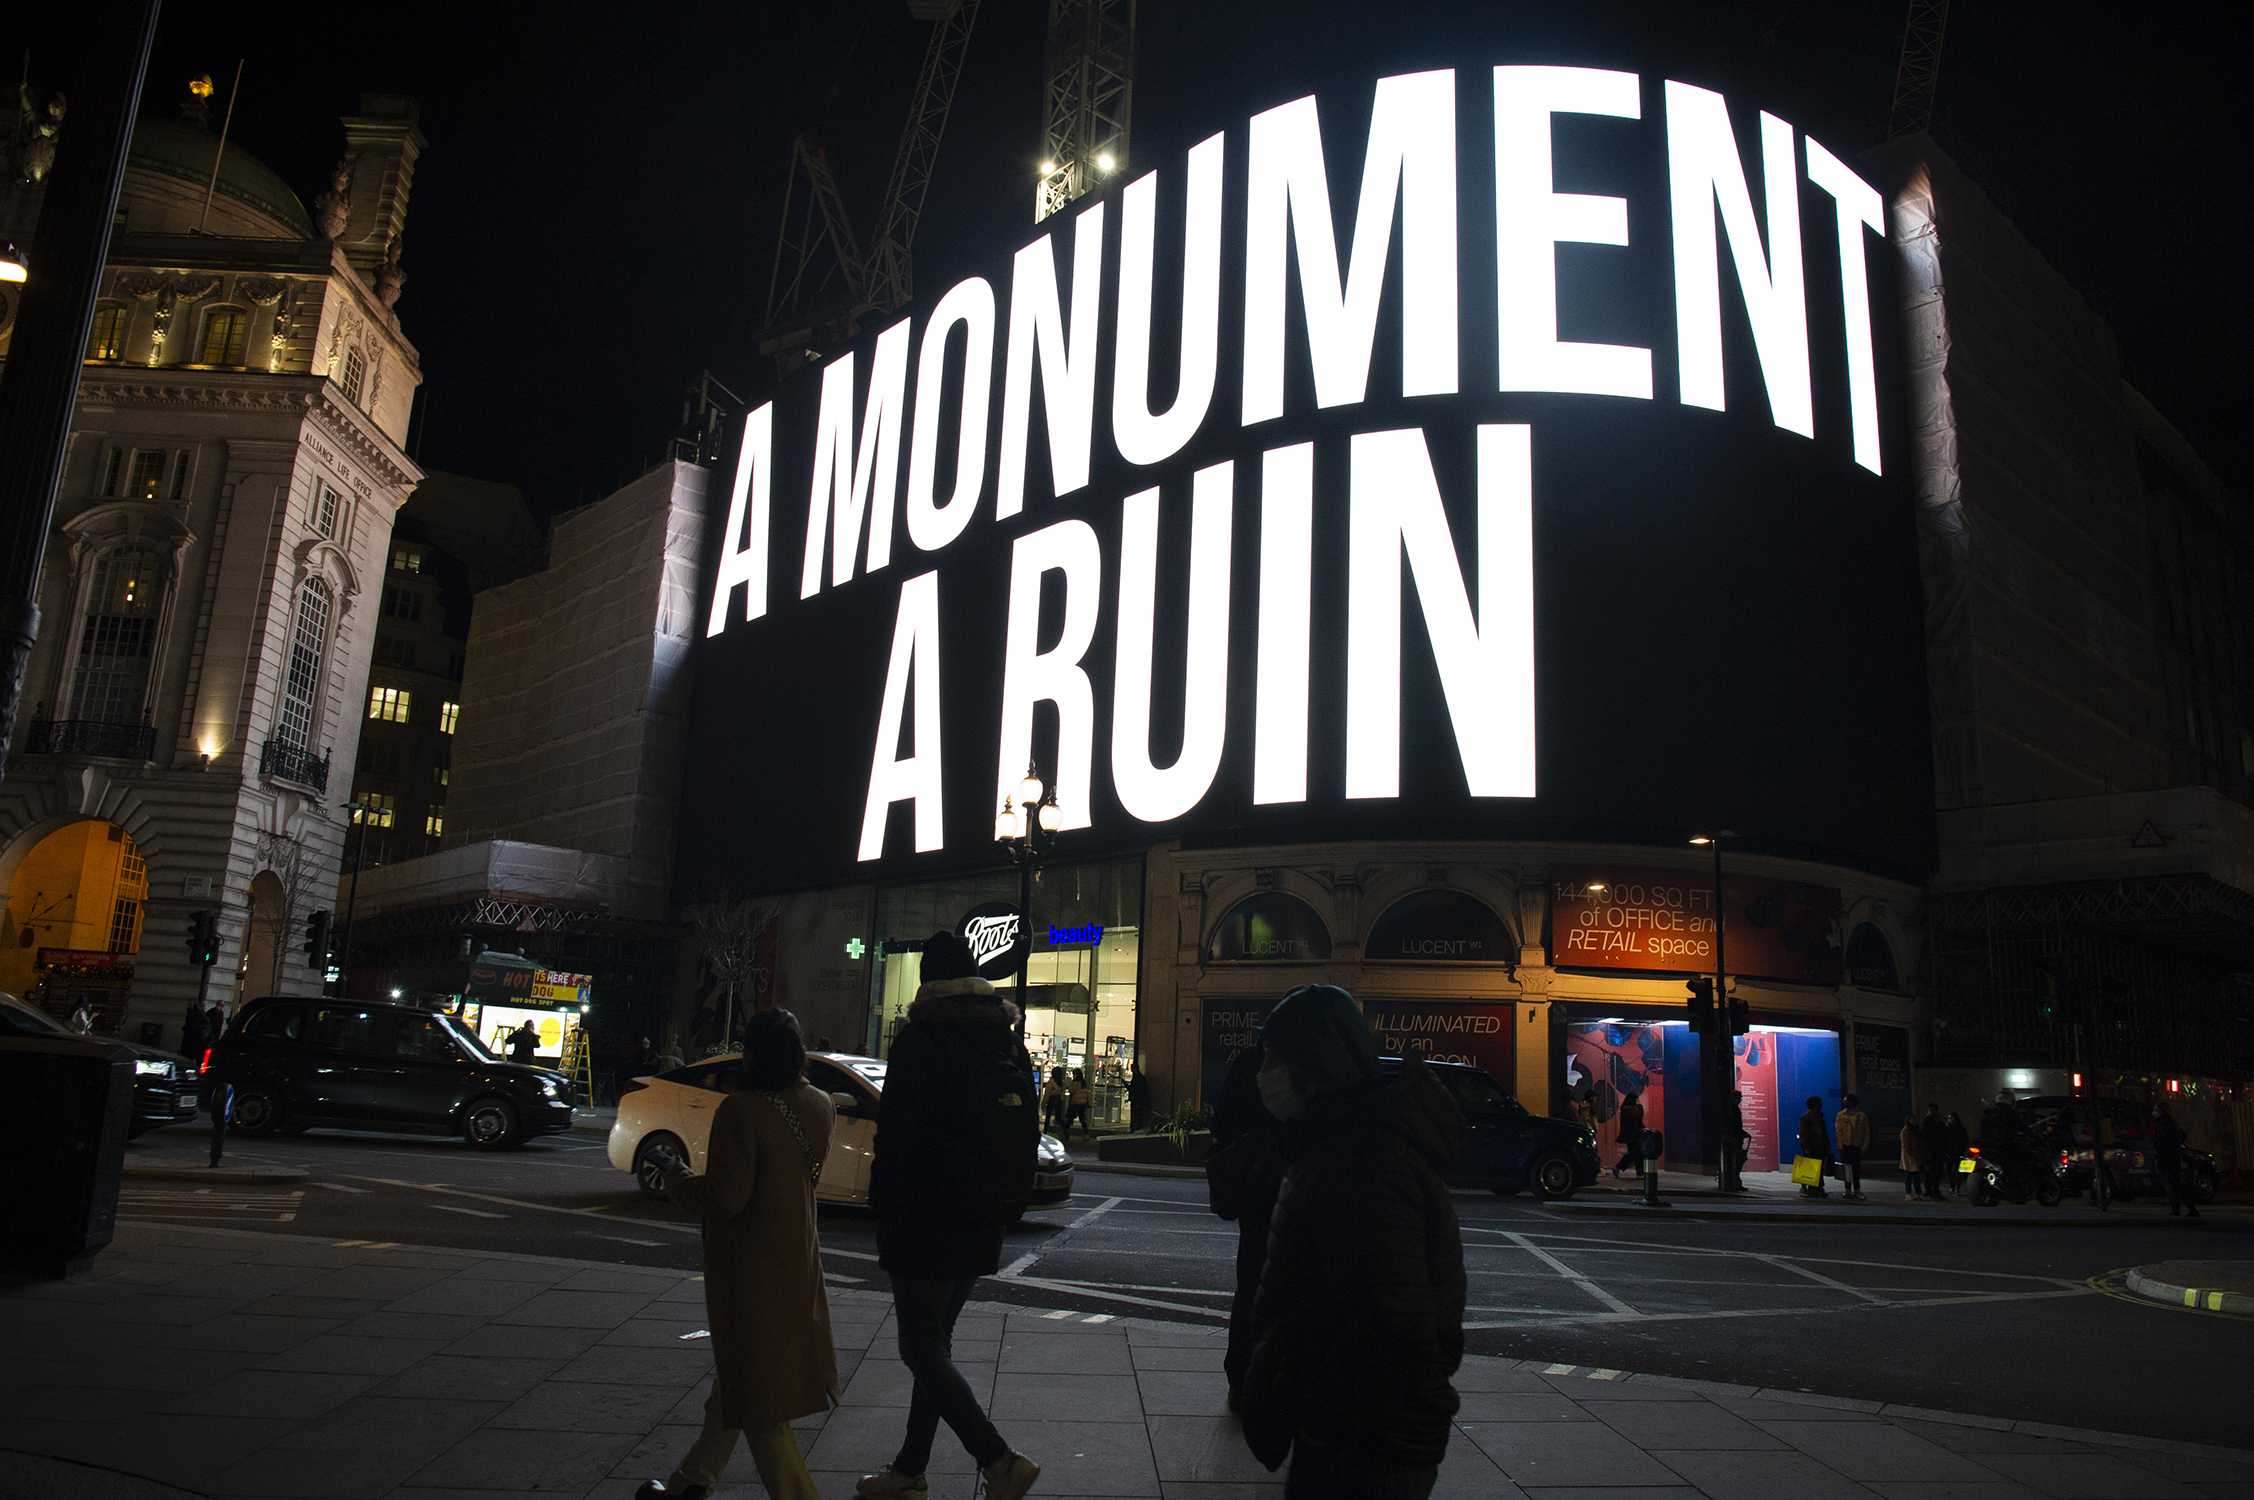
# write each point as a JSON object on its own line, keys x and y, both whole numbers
{"x": 1081, "y": 976}
{"x": 1610, "y": 1061}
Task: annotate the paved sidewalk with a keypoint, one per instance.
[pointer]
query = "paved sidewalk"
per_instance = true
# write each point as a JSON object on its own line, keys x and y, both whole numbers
{"x": 193, "y": 1362}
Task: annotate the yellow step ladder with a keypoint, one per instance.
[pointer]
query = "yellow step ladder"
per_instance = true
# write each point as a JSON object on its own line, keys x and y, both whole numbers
{"x": 579, "y": 1064}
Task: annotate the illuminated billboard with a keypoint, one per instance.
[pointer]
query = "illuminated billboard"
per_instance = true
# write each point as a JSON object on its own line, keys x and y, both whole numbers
{"x": 1478, "y": 451}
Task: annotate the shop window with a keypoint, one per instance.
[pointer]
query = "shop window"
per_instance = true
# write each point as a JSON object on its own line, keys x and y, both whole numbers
{"x": 355, "y": 369}
{"x": 1440, "y": 927}
{"x": 1870, "y": 959}
{"x": 109, "y": 683}
{"x": 147, "y": 480}
{"x": 447, "y": 714}
{"x": 1272, "y": 927}
{"x": 223, "y": 329}
{"x": 107, "y": 341}
{"x": 388, "y": 704}
{"x": 309, "y": 638}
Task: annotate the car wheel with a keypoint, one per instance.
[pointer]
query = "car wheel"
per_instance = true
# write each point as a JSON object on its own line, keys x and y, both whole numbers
{"x": 2047, "y": 1191}
{"x": 490, "y": 1124}
{"x": 648, "y": 1175}
{"x": 1550, "y": 1177}
{"x": 2199, "y": 1185}
{"x": 257, "y": 1111}
{"x": 1984, "y": 1194}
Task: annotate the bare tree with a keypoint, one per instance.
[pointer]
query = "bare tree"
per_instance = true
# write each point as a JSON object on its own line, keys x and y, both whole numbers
{"x": 297, "y": 873}
{"x": 729, "y": 935}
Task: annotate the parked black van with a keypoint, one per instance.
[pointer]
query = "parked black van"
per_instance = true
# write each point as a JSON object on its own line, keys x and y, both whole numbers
{"x": 297, "y": 1063}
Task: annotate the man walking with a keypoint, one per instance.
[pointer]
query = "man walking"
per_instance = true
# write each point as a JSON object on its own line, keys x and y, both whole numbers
{"x": 954, "y": 1162}
{"x": 1815, "y": 1141}
{"x": 1854, "y": 1138}
{"x": 1359, "y": 1324}
{"x": 1244, "y": 1172}
{"x": 2168, "y": 1162}
{"x": 1630, "y": 1135}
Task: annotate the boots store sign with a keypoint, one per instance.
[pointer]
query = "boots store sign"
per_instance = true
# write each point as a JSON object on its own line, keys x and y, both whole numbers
{"x": 1396, "y": 460}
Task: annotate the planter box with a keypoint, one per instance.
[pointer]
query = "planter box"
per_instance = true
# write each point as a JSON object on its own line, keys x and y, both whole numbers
{"x": 1155, "y": 1150}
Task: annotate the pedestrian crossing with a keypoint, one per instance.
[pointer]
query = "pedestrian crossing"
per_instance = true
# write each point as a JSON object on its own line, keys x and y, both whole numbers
{"x": 227, "y": 1205}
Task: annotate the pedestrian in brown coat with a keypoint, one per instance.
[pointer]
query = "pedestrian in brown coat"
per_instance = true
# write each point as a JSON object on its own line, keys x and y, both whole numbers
{"x": 763, "y": 1295}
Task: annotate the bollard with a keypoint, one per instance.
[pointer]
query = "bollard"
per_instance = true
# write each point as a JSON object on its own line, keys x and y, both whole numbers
{"x": 1653, "y": 1146}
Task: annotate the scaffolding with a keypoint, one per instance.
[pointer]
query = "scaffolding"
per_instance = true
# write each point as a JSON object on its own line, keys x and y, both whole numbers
{"x": 1087, "y": 101}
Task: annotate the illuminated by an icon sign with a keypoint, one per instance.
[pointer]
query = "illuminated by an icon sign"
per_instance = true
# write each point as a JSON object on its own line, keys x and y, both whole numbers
{"x": 1072, "y": 937}
{"x": 1345, "y": 292}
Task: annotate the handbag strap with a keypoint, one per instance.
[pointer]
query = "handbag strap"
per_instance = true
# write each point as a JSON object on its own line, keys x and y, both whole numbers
{"x": 798, "y": 1133}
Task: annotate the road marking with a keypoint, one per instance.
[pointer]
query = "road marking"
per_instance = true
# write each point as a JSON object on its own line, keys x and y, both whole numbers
{"x": 1016, "y": 1267}
{"x": 623, "y": 1240}
{"x": 1053, "y": 1316}
{"x": 1829, "y": 1310}
{"x": 1579, "y": 1280}
{"x": 338, "y": 1187}
{"x": 1782, "y": 1263}
{"x": 1561, "y": 1369}
{"x": 1097, "y": 1318}
{"x": 1094, "y": 1289}
{"x": 546, "y": 1208}
{"x": 475, "y": 1213}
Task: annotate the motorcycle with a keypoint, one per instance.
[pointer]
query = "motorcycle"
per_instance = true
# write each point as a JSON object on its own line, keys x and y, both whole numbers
{"x": 2012, "y": 1172}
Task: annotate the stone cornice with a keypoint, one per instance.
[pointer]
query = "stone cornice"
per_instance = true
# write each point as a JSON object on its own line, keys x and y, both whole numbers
{"x": 305, "y": 396}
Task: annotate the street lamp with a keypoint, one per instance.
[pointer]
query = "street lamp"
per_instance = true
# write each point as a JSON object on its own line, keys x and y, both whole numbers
{"x": 1027, "y": 827}
{"x": 361, "y": 815}
{"x": 1718, "y": 1046}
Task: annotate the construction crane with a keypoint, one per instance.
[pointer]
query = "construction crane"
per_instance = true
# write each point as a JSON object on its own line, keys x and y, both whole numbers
{"x": 1088, "y": 103}
{"x": 1919, "y": 73}
{"x": 823, "y": 283}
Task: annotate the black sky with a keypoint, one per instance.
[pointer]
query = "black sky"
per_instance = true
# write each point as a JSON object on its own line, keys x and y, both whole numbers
{"x": 593, "y": 223}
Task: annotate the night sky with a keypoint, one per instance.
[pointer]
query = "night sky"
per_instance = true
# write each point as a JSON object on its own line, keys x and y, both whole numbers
{"x": 594, "y": 221}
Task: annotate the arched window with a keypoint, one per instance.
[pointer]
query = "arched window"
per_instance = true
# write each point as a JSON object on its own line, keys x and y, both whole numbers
{"x": 1870, "y": 959}
{"x": 309, "y": 637}
{"x": 116, "y": 644}
{"x": 1440, "y": 927}
{"x": 222, "y": 337}
{"x": 1269, "y": 927}
{"x": 108, "y": 338}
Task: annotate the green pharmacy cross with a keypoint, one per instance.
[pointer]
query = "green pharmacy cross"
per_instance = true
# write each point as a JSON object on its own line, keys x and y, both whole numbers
{"x": 854, "y": 948}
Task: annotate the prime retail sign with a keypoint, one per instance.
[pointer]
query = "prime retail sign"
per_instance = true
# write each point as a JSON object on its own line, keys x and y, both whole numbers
{"x": 1225, "y": 499}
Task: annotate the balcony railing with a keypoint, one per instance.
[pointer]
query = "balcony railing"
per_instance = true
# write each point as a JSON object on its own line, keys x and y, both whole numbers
{"x": 293, "y": 763}
{"x": 91, "y": 737}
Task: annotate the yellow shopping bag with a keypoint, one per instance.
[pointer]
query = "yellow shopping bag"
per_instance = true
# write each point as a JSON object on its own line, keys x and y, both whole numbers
{"x": 1808, "y": 1171}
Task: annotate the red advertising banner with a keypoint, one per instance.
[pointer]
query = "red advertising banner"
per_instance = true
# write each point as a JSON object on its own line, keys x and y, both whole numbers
{"x": 1629, "y": 917}
{"x": 1448, "y": 1031}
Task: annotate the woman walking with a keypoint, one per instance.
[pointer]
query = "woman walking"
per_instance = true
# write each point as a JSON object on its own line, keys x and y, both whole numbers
{"x": 1056, "y": 1103}
{"x": 1913, "y": 1160}
{"x": 1082, "y": 1097}
{"x": 771, "y": 1352}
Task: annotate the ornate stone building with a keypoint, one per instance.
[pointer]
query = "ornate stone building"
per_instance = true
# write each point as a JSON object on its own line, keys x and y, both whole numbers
{"x": 216, "y": 571}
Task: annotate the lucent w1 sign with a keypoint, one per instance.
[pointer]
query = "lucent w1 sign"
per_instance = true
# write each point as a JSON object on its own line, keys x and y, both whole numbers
{"x": 1488, "y": 451}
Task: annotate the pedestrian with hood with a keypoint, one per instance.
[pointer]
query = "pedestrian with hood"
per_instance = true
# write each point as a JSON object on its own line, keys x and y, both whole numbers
{"x": 1854, "y": 1139}
{"x": 1933, "y": 1138}
{"x": 1359, "y": 1322}
{"x": 1815, "y": 1141}
{"x": 763, "y": 1294}
{"x": 1630, "y": 1135}
{"x": 1243, "y": 1173}
{"x": 953, "y": 1166}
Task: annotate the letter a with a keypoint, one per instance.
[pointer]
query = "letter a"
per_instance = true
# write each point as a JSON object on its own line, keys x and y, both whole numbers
{"x": 914, "y": 777}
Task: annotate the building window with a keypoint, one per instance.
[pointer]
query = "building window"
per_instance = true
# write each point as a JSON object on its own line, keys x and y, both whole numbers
{"x": 388, "y": 704}
{"x": 108, "y": 338}
{"x": 222, "y": 337}
{"x": 379, "y": 757}
{"x": 435, "y": 824}
{"x": 309, "y": 638}
{"x": 354, "y": 368}
{"x": 179, "y": 474}
{"x": 379, "y": 809}
{"x": 147, "y": 481}
{"x": 132, "y": 895}
{"x": 403, "y": 604}
{"x": 325, "y": 510}
{"x": 440, "y": 774}
{"x": 391, "y": 651}
{"x": 406, "y": 560}
{"x": 454, "y": 665}
{"x": 116, "y": 644}
{"x": 447, "y": 713}
{"x": 111, "y": 471}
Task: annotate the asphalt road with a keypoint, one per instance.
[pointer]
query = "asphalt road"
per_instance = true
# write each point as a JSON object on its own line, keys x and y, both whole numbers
{"x": 2006, "y": 1323}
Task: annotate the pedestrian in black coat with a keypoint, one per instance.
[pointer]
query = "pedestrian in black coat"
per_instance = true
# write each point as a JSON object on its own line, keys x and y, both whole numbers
{"x": 1955, "y": 1142}
{"x": 1933, "y": 1132}
{"x": 2168, "y": 1162}
{"x": 1248, "y": 1148}
{"x": 1815, "y": 1141}
{"x": 523, "y": 1042}
{"x": 953, "y": 1166}
{"x": 1359, "y": 1323}
{"x": 1630, "y": 1134}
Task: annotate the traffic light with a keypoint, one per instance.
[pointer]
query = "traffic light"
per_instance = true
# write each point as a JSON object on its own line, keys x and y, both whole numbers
{"x": 317, "y": 941}
{"x": 203, "y": 938}
{"x": 2048, "y": 973}
{"x": 1701, "y": 1004}
{"x": 1741, "y": 1017}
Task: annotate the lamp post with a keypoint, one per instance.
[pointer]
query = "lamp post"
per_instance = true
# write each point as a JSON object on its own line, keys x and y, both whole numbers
{"x": 360, "y": 816}
{"x": 1027, "y": 827}
{"x": 1717, "y": 1047}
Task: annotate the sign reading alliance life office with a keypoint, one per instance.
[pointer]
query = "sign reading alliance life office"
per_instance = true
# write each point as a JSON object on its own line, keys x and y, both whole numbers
{"x": 1487, "y": 451}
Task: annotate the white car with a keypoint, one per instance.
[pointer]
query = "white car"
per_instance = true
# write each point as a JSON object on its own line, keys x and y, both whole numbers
{"x": 674, "y": 1110}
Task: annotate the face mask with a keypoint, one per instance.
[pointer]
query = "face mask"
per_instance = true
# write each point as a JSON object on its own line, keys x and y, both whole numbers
{"x": 1276, "y": 1092}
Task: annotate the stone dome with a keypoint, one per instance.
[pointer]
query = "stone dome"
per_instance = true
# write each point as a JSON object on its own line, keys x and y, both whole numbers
{"x": 168, "y": 168}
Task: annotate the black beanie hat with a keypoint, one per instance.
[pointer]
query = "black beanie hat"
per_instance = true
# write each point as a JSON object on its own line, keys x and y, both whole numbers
{"x": 947, "y": 956}
{"x": 1320, "y": 1031}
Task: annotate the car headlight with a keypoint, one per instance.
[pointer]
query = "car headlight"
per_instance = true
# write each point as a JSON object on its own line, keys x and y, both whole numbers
{"x": 150, "y": 1068}
{"x": 1052, "y": 1153}
{"x": 551, "y": 1088}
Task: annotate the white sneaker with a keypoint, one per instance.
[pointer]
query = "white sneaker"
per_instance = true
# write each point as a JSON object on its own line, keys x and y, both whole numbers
{"x": 888, "y": 1483}
{"x": 1010, "y": 1476}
